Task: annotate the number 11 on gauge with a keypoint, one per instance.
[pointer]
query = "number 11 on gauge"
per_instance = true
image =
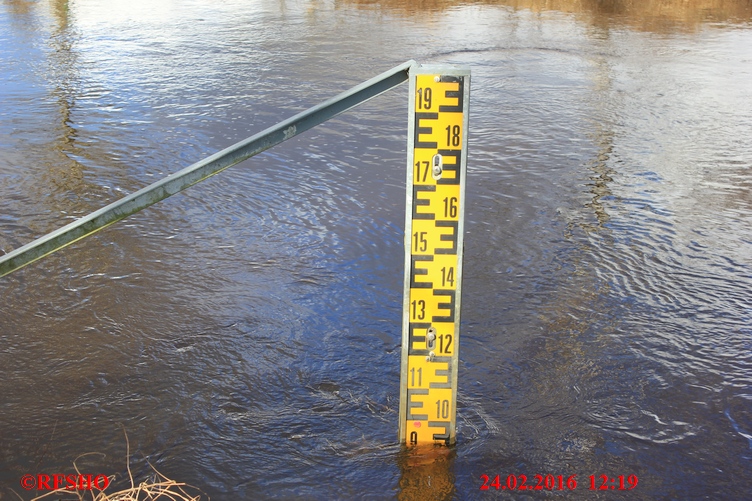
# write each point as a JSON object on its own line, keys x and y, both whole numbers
{"x": 434, "y": 224}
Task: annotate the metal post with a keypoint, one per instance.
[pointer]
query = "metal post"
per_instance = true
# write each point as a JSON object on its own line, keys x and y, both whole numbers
{"x": 201, "y": 170}
{"x": 434, "y": 226}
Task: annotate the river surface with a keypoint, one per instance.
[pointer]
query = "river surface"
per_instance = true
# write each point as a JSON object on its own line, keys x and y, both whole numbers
{"x": 246, "y": 332}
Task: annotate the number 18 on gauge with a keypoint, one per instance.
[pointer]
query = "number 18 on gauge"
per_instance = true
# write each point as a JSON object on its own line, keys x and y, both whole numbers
{"x": 436, "y": 165}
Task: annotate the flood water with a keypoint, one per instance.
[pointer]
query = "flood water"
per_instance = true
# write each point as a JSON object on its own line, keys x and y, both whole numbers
{"x": 246, "y": 332}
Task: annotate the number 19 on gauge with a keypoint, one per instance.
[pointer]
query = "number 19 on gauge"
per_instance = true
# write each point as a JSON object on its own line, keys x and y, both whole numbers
{"x": 434, "y": 223}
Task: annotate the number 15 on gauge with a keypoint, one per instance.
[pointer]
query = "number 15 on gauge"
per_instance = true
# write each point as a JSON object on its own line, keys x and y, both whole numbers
{"x": 434, "y": 223}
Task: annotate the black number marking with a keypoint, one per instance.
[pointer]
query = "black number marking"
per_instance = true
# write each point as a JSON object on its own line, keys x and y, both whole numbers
{"x": 419, "y": 239}
{"x": 453, "y": 135}
{"x": 425, "y": 171}
{"x": 420, "y": 376}
{"x": 447, "y": 349}
{"x": 447, "y": 277}
{"x": 424, "y": 98}
{"x": 442, "y": 409}
{"x": 450, "y": 207}
{"x": 419, "y": 309}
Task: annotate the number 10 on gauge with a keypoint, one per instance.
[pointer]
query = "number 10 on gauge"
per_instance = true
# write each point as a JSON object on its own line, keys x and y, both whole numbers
{"x": 434, "y": 223}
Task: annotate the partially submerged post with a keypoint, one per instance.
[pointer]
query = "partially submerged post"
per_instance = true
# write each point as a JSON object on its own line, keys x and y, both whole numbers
{"x": 434, "y": 223}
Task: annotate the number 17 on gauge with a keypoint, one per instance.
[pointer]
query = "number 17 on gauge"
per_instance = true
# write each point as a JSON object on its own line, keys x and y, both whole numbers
{"x": 434, "y": 223}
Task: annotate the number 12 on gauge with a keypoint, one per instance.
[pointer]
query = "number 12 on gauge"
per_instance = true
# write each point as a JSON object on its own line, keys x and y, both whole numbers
{"x": 434, "y": 223}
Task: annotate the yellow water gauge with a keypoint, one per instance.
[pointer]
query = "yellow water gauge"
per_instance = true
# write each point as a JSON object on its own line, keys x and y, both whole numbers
{"x": 434, "y": 222}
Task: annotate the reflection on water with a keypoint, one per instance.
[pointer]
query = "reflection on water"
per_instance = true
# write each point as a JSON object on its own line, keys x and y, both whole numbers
{"x": 426, "y": 473}
{"x": 246, "y": 332}
{"x": 649, "y": 15}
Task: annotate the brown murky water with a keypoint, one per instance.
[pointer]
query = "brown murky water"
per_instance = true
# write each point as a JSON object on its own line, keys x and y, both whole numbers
{"x": 246, "y": 332}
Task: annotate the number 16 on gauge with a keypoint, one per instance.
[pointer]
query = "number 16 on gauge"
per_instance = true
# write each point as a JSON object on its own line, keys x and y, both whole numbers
{"x": 434, "y": 223}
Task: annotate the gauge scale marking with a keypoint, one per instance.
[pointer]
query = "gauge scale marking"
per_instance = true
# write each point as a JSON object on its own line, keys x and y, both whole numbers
{"x": 436, "y": 165}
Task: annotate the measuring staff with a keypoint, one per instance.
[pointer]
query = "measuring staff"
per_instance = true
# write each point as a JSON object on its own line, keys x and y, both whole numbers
{"x": 434, "y": 223}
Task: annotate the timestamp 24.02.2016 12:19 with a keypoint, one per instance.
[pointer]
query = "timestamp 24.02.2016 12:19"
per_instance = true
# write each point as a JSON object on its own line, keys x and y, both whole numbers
{"x": 558, "y": 482}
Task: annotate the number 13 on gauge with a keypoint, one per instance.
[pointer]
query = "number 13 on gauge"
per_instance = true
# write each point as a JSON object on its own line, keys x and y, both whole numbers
{"x": 436, "y": 164}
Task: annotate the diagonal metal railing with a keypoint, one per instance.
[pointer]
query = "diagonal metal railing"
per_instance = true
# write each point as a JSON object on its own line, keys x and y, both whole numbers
{"x": 203, "y": 169}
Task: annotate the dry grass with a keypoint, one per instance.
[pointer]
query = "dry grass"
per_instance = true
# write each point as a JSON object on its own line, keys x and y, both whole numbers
{"x": 157, "y": 487}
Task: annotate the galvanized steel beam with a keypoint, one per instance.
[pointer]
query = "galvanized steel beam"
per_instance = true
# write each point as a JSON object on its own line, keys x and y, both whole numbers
{"x": 201, "y": 170}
